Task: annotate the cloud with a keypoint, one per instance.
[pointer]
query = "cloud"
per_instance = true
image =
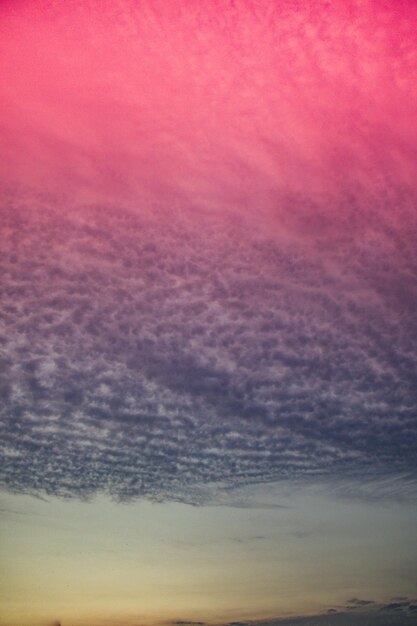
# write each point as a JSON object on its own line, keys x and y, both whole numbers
{"x": 366, "y": 613}
{"x": 143, "y": 357}
{"x": 208, "y": 251}
{"x": 361, "y": 603}
{"x": 396, "y": 606}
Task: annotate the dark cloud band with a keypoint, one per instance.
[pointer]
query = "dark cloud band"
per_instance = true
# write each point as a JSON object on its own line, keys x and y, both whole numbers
{"x": 143, "y": 355}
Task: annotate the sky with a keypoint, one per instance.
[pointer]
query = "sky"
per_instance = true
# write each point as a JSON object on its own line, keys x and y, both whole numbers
{"x": 208, "y": 254}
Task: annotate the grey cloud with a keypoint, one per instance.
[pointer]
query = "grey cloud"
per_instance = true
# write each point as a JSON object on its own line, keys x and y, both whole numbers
{"x": 399, "y": 599}
{"x": 358, "y": 602}
{"x": 154, "y": 355}
{"x": 366, "y": 613}
{"x": 396, "y": 606}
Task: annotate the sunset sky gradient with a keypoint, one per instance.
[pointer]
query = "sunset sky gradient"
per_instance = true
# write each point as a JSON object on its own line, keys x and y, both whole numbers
{"x": 208, "y": 251}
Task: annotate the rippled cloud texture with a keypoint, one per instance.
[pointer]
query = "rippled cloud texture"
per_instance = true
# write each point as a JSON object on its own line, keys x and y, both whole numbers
{"x": 208, "y": 245}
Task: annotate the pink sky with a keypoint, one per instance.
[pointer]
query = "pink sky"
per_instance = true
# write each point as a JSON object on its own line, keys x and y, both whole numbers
{"x": 239, "y": 103}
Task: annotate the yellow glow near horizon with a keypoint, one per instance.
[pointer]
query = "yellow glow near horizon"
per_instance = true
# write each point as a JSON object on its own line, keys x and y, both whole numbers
{"x": 104, "y": 563}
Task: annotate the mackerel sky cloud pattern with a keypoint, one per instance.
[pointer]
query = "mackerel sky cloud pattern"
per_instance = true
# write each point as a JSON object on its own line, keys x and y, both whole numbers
{"x": 208, "y": 244}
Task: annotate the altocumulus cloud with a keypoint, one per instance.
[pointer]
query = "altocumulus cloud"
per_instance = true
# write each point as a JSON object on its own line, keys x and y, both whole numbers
{"x": 208, "y": 246}
{"x": 145, "y": 356}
